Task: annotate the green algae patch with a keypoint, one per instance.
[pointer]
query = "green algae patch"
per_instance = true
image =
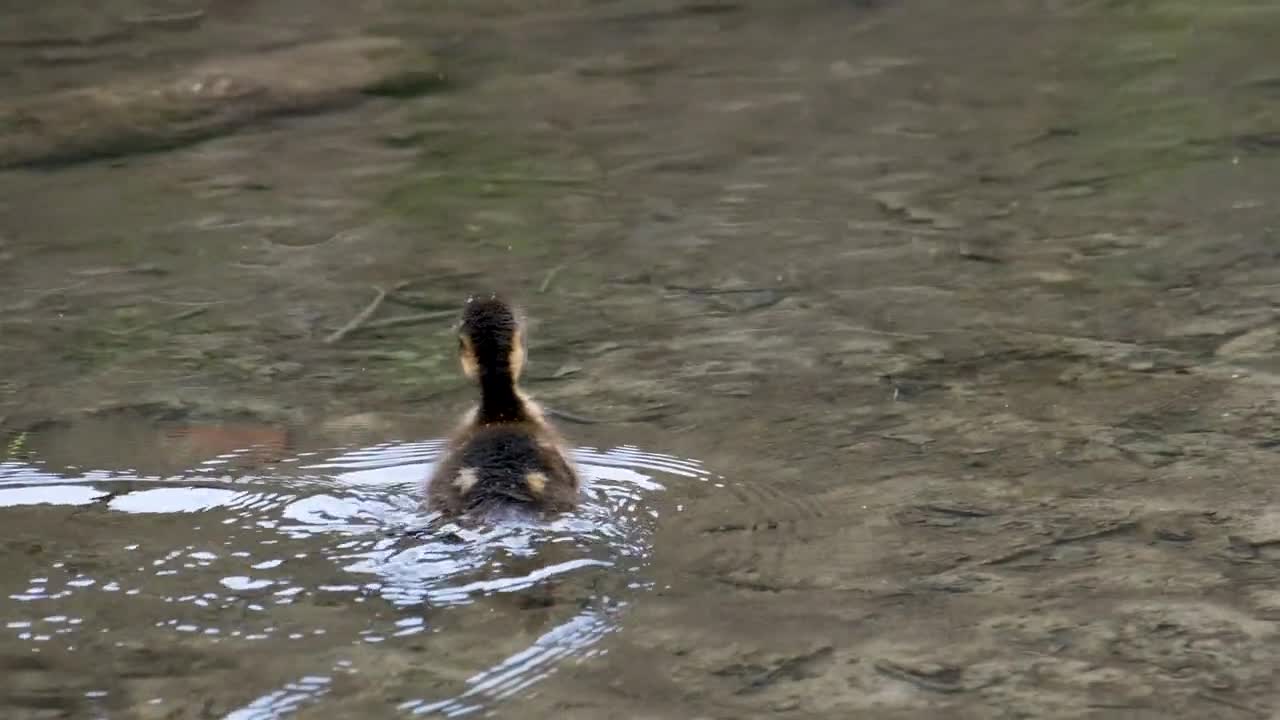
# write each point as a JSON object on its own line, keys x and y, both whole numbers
{"x": 161, "y": 111}
{"x": 485, "y": 191}
{"x": 1172, "y": 90}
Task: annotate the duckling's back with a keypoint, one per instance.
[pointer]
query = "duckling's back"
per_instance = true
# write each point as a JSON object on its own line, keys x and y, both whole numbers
{"x": 504, "y": 464}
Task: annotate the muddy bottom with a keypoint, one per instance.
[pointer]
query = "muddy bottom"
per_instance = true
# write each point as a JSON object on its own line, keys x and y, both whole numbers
{"x": 922, "y": 357}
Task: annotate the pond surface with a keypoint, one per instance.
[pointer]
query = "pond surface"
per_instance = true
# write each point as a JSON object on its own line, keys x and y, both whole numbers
{"x": 313, "y": 558}
{"x": 965, "y": 313}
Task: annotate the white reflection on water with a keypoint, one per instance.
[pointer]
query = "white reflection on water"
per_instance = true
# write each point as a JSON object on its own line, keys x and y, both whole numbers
{"x": 50, "y": 495}
{"x": 356, "y": 513}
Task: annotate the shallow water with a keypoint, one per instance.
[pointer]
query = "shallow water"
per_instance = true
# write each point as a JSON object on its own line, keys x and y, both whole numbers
{"x": 256, "y": 554}
{"x": 973, "y": 304}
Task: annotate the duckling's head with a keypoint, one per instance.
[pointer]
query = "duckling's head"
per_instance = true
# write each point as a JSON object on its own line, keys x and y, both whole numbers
{"x": 490, "y": 339}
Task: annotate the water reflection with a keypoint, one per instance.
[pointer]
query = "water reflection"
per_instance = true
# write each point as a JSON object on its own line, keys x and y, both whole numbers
{"x": 522, "y": 669}
{"x": 330, "y": 554}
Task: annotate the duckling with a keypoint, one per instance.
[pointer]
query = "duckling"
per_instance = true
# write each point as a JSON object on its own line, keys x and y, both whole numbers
{"x": 505, "y": 452}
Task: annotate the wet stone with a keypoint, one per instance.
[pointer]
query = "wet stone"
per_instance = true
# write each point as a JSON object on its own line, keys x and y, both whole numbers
{"x": 160, "y": 111}
{"x": 1261, "y": 342}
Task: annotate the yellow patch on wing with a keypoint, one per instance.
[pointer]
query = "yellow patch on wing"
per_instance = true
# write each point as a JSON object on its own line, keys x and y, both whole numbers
{"x": 467, "y": 355}
{"x": 466, "y": 480}
{"x": 536, "y": 481}
{"x": 515, "y": 359}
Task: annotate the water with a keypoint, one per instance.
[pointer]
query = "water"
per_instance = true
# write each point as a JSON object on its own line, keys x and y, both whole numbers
{"x": 974, "y": 303}
{"x": 256, "y": 554}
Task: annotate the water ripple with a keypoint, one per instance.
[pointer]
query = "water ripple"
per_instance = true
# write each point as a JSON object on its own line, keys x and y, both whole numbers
{"x": 332, "y": 554}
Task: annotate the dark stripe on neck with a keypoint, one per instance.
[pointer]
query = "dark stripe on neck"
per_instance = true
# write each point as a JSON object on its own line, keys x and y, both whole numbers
{"x": 498, "y": 399}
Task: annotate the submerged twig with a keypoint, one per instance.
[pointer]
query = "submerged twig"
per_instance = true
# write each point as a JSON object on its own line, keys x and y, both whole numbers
{"x": 1212, "y": 697}
{"x": 358, "y": 320}
{"x": 168, "y": 21}
{"x": 394, "y": 355}
{"x": 550, "y": 277}
{"x": 910, "y": 675}
{"x": 186, "y": 314}
{"x": 414, "y": 319}
{"x": 695, "y": 290}
{"x": 1021, "y": 552}
{"x": 414, "y": 302}
{"x": 176, "y": 317}
{"x": 769, "y": 299}
{"x": 981, "y": 257}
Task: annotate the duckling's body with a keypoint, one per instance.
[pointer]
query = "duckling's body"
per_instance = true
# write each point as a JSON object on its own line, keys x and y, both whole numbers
{"x": 505, "y": 452}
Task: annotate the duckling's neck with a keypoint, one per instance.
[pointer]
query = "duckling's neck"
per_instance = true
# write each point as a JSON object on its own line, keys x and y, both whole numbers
{"x": 499, "y": 400}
